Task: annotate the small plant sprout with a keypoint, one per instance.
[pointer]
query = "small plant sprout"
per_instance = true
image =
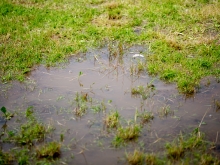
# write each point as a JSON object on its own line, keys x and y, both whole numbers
{"x": 7, "y": 114}
{"x": 80, "y": 73}
{"x": 135, "y": 158}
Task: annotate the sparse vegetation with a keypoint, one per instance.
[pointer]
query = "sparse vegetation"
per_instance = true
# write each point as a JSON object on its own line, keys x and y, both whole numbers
{"x": 184, "y": 149}
{"x": 26, "y": 142}
{"x": 144, "y": 92}
{"x": 80, "y": 103}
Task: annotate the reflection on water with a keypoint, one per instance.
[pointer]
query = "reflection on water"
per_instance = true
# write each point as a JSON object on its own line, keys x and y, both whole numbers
{"x": 52, "y": 91}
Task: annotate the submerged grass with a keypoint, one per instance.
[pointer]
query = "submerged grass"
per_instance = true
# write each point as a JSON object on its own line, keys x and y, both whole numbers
{"x": 112, "y": 120}
{"x": 50, "y": 150}
{"x": 183, "y": 36}
{"x": 185, "y": 149}
{"x": 26, "y": 142}
{"x": 29, "y": 132}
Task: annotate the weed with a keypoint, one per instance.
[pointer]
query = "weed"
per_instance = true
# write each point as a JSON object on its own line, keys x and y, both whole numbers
{"x": 50, "y": 150}
{"x": 136, "y": 158}
{"x": 112, "y": 120}
{"x": 7, "y": 114}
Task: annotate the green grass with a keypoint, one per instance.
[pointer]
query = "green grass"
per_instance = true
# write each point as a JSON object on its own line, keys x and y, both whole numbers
{"x": 183, "y": 35}
{"x": 126, "y": 134}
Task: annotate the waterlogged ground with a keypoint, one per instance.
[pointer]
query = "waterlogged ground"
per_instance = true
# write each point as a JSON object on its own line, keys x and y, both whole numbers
{"x": 106, "y": 80}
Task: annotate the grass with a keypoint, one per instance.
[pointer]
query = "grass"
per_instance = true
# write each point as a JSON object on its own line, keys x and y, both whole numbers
{"x": 28, "y": 142}
{"x": 146, "y": 116}
{"x": 28, "y": 132}
{"x": 80, "y": 103}
{"x": 112, "y": 120}
{"x": 5, "y": 158}
{"x": 50, "y": 150}
{"x": 144, "y": 92}
{"x": 125, "y": 134}
{"x": 185, "y": 149}
{"x": 135, "y": 158}
{"x": 165, "y": 111}
{"x": 182, "y": 36}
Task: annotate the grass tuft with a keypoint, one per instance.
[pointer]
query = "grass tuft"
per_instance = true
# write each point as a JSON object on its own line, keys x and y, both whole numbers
{"x": 50, "y": 150}
{"x": 135, "y": 158}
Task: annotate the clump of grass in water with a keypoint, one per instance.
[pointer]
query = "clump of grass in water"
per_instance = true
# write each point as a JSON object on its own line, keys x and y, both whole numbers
{"x": 135, "y": 158}
{"x": 49, "y": 150}
{"x": 101, "y": 107}
{"x": 81, "y": 104}
{"x": 146, "y": 116}
{"x": 124, "y": 134}
{"x": 112, "y": 120}
{"x": 144, "y": 92}
{"x": 152, "y": 159}
{"x": 165, "y": 111}
{"x": 186, "y": 149}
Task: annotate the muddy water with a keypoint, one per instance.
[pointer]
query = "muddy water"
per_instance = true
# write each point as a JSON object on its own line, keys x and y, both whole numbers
{"x": 51, "y": 92}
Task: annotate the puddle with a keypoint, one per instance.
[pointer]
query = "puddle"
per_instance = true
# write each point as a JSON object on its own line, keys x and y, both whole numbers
{"x": 108, "y": 81}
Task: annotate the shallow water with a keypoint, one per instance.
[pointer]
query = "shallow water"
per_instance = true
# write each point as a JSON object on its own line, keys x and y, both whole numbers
{"x": 51, "y": 92}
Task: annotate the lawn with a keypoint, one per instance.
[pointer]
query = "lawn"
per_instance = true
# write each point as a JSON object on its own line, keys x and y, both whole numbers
{"x": 183, "y": 37}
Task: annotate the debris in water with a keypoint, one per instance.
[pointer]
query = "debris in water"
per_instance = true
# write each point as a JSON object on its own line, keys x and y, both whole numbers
{"x": 137, "y": 55}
